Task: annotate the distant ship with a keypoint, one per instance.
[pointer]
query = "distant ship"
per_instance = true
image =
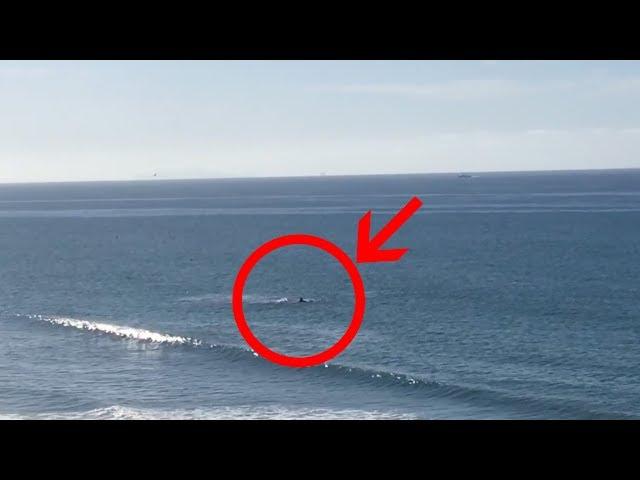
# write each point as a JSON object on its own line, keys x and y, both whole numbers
{"x": 464, "y": 175}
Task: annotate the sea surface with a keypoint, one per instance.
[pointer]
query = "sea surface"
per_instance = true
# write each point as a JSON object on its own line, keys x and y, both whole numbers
{"x": 519, "y": 298}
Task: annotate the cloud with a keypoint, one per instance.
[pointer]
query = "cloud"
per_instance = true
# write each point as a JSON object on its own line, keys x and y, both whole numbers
{"x": 454, "y": 90}
{"x": 23, "y": 71}
{"x": 623, "y": 86}
{"x": 488, "y": 89}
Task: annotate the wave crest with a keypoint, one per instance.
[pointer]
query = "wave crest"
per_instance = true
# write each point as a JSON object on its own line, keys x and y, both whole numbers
{"x": 118, "y": 412}
{"x": 139, "y": 334}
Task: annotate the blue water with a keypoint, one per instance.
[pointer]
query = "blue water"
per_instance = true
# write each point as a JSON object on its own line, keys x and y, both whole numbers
{"x": 519, "y": 298}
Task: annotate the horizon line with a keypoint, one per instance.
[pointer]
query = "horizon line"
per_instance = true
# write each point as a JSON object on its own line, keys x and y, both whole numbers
{"x": 278, "y": 177}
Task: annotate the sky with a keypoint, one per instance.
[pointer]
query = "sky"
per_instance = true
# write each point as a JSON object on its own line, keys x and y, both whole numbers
{"x": 123, "y": 120}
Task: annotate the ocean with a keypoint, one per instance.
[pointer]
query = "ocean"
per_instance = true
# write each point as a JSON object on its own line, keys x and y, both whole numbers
{"x": 518, "y": 298}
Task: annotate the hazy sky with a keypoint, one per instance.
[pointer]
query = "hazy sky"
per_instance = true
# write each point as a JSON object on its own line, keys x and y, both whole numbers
{"x": 129, "y": 120}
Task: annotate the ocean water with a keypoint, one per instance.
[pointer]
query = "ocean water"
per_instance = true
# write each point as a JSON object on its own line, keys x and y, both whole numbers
{"x": 519, "y": 298}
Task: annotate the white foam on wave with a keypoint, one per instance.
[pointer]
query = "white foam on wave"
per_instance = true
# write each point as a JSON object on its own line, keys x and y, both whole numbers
{"x": 139, "y": 334}
{"x": 118, "y": 412}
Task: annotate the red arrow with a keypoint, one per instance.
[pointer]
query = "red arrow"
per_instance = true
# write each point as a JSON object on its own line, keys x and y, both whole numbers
{"x": 368, "y": 251}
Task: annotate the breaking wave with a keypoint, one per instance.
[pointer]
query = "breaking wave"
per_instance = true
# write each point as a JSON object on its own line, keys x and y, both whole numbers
{"x": 118, "y": 412}
{"x": 478, "y": 395}
{"x": 139, "y": 334}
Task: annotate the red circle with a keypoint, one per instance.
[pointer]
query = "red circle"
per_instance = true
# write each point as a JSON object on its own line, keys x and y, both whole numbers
{"x": 358, "y": 293}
